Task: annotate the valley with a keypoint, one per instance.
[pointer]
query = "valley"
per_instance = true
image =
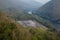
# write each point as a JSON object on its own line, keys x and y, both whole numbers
{"x": 29, "y": 20}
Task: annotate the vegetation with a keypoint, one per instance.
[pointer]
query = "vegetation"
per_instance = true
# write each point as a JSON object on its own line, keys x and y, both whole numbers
{"x": 11, "y": 30}
{"x": 22, "y": 15}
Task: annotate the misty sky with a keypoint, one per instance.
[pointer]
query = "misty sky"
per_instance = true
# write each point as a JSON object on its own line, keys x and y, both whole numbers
{"x": 42, "y": 1}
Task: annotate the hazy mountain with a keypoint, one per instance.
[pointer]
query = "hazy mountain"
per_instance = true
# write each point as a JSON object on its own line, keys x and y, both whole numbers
{"x": 45, "y": 11}
{"x": 51, "y": 12}
{"x": 20, "y": 4}
{"x": 51, "y": 9}
{"x": 17, "y": 8}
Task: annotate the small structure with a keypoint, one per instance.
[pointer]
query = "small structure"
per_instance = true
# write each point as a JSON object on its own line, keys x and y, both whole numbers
{"x": 30, "y": 12}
